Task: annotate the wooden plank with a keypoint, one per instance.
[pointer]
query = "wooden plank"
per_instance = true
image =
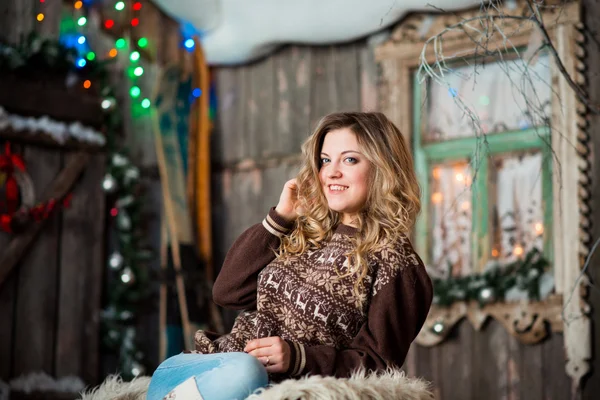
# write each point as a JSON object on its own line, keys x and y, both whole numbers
{"x": 265, "y": 140}
{"x": 347, "y": 77}
{"x": 426, "y": 367}
{"x": 95, "y": 270}
{"x": 292, "y": 121}
{"x": 557, "y": 385}
{"x": 516, "y": 381}
{"x": 7, "y": 303}
{"x": 530, "y": 369}
{"x": 251, "y": 136}
{"x": 80, "y": 257}
{"x": 324, "y": 98}
{"x": 368, "y": 77}
{"x": 490, "y": 362}
{"x": 35, "y": 316}
{"x": 456, "y": 363}
{"x": 242, "y": 119}
{"x": 17, "y": 19}
{"x": 228, "y": 107}
{"x": 56, "y": 190}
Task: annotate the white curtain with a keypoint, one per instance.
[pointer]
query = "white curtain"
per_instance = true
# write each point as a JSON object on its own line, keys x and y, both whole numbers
{"x": 503, "y": 96}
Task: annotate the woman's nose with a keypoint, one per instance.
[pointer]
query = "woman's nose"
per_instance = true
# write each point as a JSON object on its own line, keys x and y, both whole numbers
{"x": 334, "y": 172}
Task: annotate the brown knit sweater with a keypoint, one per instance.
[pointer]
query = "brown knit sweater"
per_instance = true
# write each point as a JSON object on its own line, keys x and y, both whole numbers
{"x": 307, "y": 301}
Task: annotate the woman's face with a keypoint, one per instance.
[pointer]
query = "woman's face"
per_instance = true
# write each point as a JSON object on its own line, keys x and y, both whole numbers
{"x": 344, "y": 174}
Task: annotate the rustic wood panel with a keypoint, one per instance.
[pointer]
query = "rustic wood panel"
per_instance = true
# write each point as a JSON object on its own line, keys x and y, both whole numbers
{"x": 228, "y": 109}
{"x": 260, "y": 139}
{"x": 81, "y": 266}
{"x": 292, "y": 116}
{"x": 17, "y": 19}
{"x": 368, "y": 78}
{"x": 490, "y": 360}
{"x": 347, "y": 77}
{"x": 35, "y": 316}
{"x": 557, "y": 385}
{"x": 456, "y": 363}
{"x": 7, "y": 304}
{"x": 324, "y": 96}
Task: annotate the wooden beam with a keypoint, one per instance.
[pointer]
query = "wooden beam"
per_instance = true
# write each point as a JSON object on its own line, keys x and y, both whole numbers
{"x": 59, "y": 188}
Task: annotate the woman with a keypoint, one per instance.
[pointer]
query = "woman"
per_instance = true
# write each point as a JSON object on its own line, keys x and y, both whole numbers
{"x": 328, "y": 282}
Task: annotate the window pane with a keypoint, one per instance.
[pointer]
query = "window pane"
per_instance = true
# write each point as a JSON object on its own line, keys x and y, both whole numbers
{"x": 450, "y": 219}
{"x": 495, "y": 94}
{"x": 517, "y": 208}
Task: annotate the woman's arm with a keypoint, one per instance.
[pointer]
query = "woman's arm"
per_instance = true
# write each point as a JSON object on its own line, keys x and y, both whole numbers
{"x": 235, "y": 286}
{"x": 395, "y": 316}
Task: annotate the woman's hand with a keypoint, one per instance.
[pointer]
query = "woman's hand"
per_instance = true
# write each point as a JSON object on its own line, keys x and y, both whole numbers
{"x": 273, "y": 352}
{"x": 287, "y": 201}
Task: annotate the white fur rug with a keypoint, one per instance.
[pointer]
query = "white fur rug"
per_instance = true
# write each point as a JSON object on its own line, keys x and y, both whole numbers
{"x": 361, "y": 386}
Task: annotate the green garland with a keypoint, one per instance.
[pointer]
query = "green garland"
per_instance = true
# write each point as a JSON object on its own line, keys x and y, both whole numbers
{"x": 493, "y": 284}
{"x": 37, "y": 58}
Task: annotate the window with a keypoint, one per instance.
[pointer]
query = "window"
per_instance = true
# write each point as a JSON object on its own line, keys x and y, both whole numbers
{"x": 483, "y": 155}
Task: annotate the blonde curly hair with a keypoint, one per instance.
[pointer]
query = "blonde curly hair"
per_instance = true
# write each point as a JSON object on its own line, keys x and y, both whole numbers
{"x": 393, "y": 201}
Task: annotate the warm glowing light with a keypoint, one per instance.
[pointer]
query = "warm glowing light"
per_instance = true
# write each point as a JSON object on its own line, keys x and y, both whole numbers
{"x": 135, "y": 22}
{"x": 109, "y": 23}
{"x": 494, "y": 253}
{"x": 113, "y": 53}
{"x": 78, "y": 5}
{"x": 436, "y": 173}
{"x": 87, "y": 84}
{"x": 460, "y": 177}
{"x": 518, "y": 250}
{"x": 114, "y": 211}
{"x": 465, "y": 205}
{"x": 539, "y": 228}
{"x": 436, "y": 198}
{"x": 137, "y": 6}
{"x": 40, "y": 17}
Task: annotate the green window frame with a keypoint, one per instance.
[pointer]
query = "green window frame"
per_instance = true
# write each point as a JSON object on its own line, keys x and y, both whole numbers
{"x": 460, "y": 149}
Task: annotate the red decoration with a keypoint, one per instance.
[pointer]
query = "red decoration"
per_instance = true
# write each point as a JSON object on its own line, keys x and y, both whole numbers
{"x": 109, "y": 23}
{"x": 17, "y": 215}
{"x": 9, "y": 163}
{"x": 135, "y": 22}
{"x": 137, "y": 6}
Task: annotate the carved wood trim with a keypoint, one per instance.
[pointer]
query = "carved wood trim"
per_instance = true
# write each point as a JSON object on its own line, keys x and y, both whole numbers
{"x": 567, "y": 311}
{"x": 530, "y": 322}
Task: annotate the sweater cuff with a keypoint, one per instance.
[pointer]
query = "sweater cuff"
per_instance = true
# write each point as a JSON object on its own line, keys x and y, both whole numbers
{"x": 297, "y": 358}
{"x": 276, "y": 224}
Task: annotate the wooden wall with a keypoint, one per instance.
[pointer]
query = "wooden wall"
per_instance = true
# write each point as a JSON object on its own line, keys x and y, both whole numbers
{"x": 265, "y": 111}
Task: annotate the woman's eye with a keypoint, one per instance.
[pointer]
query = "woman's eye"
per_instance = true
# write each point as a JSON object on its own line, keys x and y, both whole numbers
{"x": 351, "y": 160}
{"x": 324, "y": 160}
